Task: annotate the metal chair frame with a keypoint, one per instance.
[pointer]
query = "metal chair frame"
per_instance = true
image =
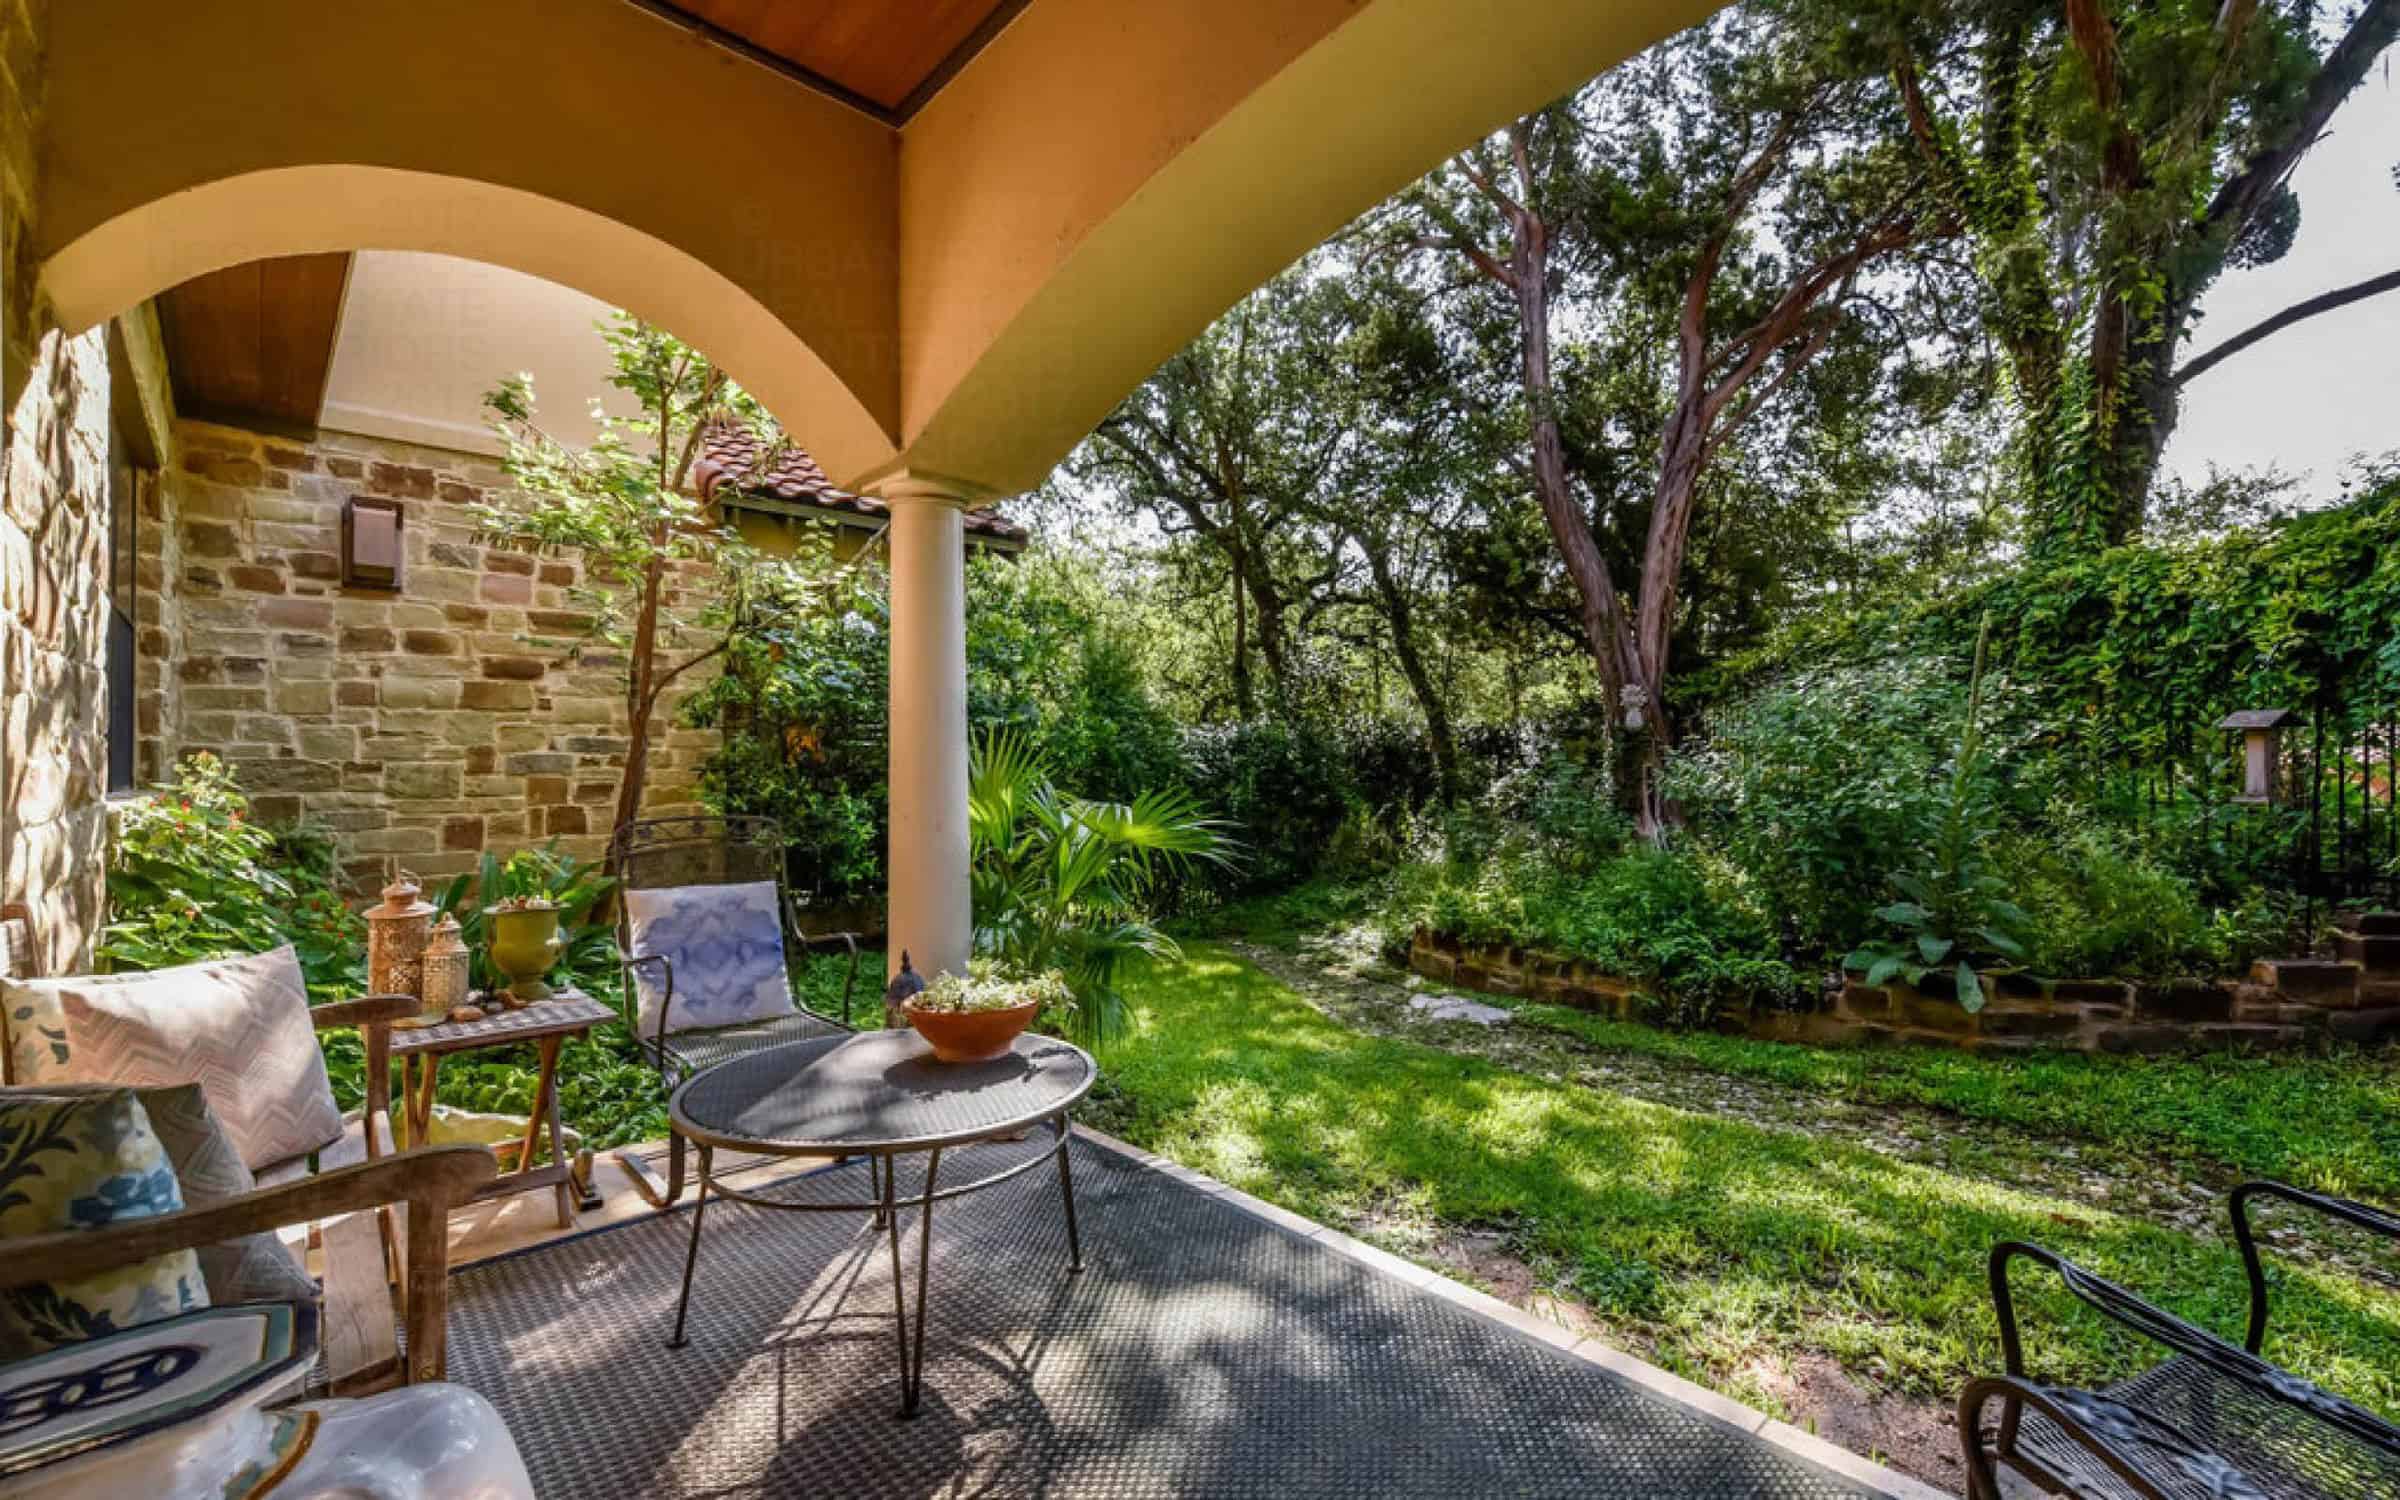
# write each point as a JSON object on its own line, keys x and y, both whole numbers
{"x": 2145, "y": 1455}
{"x": 703, "y": 850}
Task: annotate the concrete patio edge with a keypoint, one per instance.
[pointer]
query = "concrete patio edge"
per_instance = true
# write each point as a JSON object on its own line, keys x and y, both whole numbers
{"x": 1805, "y": 1446}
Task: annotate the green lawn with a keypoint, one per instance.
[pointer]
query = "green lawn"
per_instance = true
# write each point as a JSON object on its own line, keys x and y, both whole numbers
{"x": 2328, "y": 1122}
{"x": 1720, "y": 1242}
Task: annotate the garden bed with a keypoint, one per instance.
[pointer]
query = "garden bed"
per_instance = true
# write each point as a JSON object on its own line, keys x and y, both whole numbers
{"x": 2281, "y": 1003}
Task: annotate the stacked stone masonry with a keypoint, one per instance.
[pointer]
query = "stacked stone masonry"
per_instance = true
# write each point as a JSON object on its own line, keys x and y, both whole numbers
{"x": 53, "y": 525}
{"x": 421, "y": 726}
{"x": 2280, "y": 1003}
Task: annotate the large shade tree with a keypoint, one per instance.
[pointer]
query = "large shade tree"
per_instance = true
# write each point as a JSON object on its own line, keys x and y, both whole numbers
{"x": 2110, "y": 159}
{"x": 1720, "y": 215}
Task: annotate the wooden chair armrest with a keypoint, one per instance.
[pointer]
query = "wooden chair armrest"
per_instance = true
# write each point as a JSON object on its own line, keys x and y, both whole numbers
{"x": 430, "y": 1182}
{"x": 368, "y": 1010}
{"x": 436, "y": 1178}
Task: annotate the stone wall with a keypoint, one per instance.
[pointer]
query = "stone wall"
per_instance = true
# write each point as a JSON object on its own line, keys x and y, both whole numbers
{"x": 53, "y": 529}
{"x": 422, "y": 726}
{"x": 2281, "y": 1003}
{"x": 20, "y": 136}
{"x": 53, "y": 647}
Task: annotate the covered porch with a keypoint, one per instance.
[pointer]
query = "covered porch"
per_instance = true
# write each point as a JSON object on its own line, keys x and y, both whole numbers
{"x": 937, "y": 250}
{"x": 1218, "y": 1345}
{"x": 939, "y": 243}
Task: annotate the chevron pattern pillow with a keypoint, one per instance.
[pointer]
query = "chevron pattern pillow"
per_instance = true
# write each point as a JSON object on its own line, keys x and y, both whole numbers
{"x": 726, "y": 943}
{"x": 238, "y": 1027}
{"x": 85, "y": 1162}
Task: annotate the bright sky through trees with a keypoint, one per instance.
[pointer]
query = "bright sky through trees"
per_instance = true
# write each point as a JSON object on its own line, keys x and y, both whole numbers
{"x": 2316, "y": 393}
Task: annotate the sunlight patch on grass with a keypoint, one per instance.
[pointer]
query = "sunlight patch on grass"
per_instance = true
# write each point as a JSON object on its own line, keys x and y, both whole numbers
{"x": 1722, "y": 1242}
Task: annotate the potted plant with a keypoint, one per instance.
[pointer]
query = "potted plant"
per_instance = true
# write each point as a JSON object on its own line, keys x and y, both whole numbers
{"x": 524, "y": 945}
{"x": 977, "y": 1016}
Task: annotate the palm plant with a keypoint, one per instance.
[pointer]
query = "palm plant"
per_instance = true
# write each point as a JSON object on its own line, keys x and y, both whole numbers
{"x": 1063, "y": 882}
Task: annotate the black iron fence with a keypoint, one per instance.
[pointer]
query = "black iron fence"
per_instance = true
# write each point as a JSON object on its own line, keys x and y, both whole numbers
{"x": 2308, "y": 799}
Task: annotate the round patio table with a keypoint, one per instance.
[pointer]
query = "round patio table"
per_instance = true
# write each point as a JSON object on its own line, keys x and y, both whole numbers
{"x": 881, "y": 1095}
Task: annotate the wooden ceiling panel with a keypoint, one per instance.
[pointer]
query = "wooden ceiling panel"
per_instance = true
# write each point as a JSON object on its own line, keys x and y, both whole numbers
{"x": 884, "y": 53}
{"x": 253, "y": 344}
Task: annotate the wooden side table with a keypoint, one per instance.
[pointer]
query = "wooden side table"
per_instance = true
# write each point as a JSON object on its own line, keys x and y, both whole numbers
{"x": 547, "y": 1024}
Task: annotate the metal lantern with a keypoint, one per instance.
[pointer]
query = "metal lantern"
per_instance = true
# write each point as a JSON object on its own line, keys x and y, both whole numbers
{"x": 396, "y": 933}
{"x": 445, "y": 972}
{"x": 905, "y": 986}
{"x": 2261, "y": 730}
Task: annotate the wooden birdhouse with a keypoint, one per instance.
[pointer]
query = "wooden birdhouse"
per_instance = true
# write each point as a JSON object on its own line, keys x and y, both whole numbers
{"x": 2261, "y": 730}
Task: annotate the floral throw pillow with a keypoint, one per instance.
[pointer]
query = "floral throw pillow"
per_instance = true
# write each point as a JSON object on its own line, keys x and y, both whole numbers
{"x": 85, "y": 1162}
{"x": 726, "y": 945}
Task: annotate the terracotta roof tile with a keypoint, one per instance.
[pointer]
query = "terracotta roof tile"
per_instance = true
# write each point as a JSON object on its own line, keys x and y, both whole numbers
{"x": 729, "y": 450}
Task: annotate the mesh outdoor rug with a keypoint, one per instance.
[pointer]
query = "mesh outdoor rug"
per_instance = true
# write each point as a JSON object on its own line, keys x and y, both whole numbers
{"x": 1203, "y": 1352}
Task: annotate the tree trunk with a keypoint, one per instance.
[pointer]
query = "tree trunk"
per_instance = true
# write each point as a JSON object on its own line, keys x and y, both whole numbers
{"x": 1245, "y": 694}
{"x": 1400, "y": 614}
{"x": 640, "y": 697}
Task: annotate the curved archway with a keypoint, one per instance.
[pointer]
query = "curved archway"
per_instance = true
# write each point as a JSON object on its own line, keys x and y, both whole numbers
{"x": 303, "y": 210}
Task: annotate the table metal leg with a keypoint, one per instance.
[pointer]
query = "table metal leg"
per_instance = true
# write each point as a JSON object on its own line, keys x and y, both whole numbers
{"x": 691, "y": 1256}
{"x": 912, "y": 1362}
{"x": 1066, "y": 1187}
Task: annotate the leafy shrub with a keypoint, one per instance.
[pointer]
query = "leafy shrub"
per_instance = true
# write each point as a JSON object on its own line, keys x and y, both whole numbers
{"x": 1673, "y": 916}
{"x": 801, "y": 709}
{"x": 1819, "y": 786}
{"x": 2100, "y": 904}
{"x": 191, "y": 876}
{"x": 1954, "y": 915}
{"x": 1284, "y": 788}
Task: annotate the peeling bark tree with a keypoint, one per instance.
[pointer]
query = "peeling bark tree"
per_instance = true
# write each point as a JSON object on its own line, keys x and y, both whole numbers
{"x": 1722, "y": 380}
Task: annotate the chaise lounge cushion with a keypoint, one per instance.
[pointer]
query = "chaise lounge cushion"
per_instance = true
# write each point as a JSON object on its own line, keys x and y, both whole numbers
{"x": 85, "y": 1161}
{"x": 726, "y": 945}
{"x": 238, "y": 1027}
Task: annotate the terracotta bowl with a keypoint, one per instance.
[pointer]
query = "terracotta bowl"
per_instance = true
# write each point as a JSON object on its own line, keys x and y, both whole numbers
{"x": 970, "y": 1036}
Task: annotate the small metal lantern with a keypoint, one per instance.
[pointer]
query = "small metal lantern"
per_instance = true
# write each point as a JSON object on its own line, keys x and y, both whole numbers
{"x": 445, "y": 973}
{"x": 905, "y": 986}
{"x": 2261, "y": 730}
{"x": 396, "y": 933}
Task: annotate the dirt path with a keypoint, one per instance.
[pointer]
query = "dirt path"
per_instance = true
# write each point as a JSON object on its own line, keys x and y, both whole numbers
{"x": 1344, "y": 978}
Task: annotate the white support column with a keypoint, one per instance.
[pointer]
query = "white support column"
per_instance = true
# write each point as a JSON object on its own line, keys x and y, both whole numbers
{"x": 931, "y": 915}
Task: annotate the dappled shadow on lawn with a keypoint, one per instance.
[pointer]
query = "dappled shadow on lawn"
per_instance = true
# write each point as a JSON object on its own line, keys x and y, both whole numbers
{"x": 1715, "y": 1238}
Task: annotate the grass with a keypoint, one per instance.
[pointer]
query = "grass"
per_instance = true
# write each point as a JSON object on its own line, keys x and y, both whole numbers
{"x": 1723, "y": 1245}
{"x": 2329, "y": 1122}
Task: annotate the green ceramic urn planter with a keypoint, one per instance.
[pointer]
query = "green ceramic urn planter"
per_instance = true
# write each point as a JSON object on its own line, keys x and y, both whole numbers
{"x": 525, "y": 947}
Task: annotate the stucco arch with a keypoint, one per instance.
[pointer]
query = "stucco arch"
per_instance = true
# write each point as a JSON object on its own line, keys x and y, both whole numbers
{"x": 1052, "y": 258}
{"x": 304, "y": 210}
{"x": 581, "y": 141}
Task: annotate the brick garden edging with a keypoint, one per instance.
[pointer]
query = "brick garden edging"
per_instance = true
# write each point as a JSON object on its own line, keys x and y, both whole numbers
{"x": 2281, "y": 1003}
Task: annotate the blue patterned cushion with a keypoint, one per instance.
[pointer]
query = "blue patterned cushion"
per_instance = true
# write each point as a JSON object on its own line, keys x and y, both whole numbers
{"x": 726, "y": 943}
{"x": 83, "y": 1162}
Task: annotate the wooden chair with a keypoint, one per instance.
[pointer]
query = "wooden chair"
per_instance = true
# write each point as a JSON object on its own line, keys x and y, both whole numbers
{"x": 427, "y": 1183}
{"x": 662, "y": 853}
{"x": 366, "y": 1267}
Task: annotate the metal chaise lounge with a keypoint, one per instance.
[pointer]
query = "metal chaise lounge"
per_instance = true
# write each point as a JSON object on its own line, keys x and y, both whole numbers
{"x": 2212, "y": 1422}
{"x": 668, "y": 854}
